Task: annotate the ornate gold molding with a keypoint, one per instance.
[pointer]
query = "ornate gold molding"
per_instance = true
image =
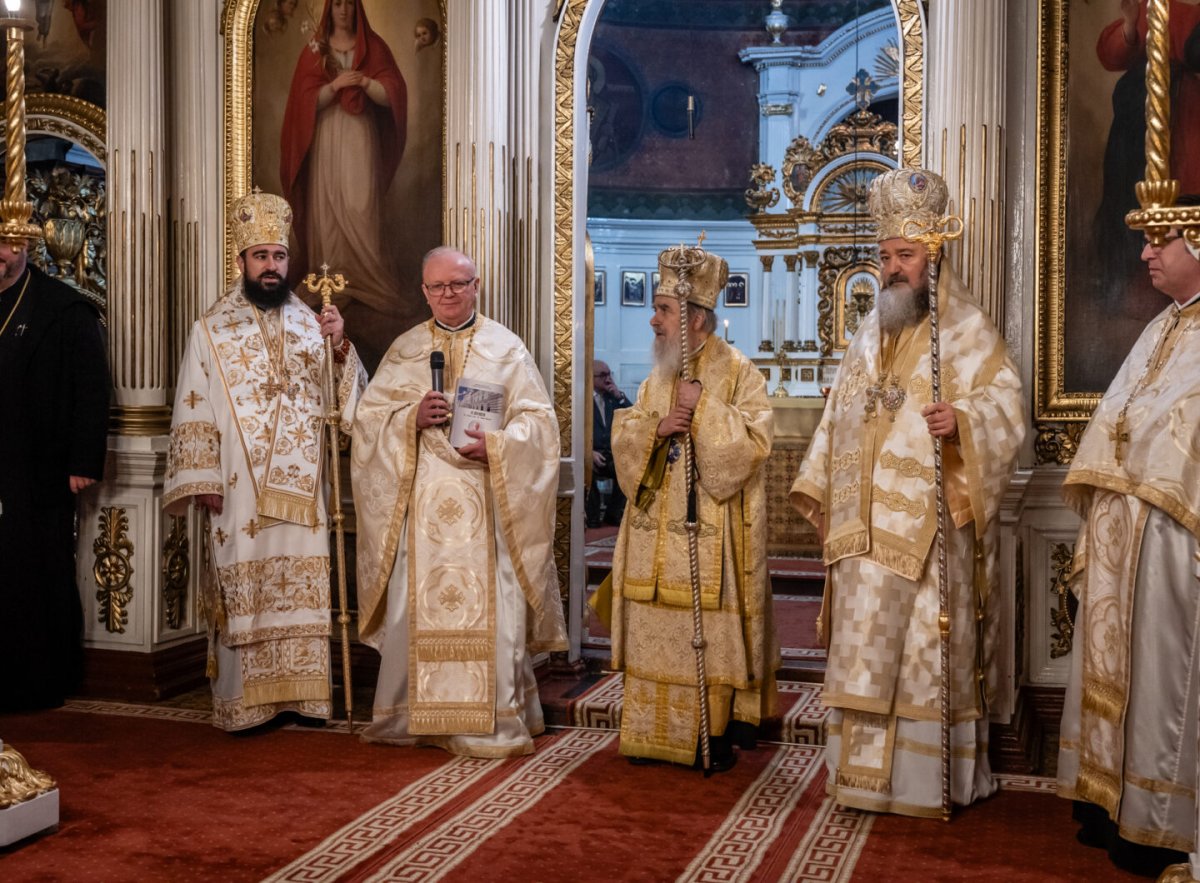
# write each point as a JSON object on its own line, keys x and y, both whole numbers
{"x": 571, "y": 15}
{"x": 175, "y": 569}
{"x": 1060, "y": 614}
{"x": 912, "y": 107}
{"x": 1051, "y": 400}
{"x": 70, "y": 118}
{"x": 113, "y": 568}
{"x": 836, "y": 264}
{"x": 19, "y": 782}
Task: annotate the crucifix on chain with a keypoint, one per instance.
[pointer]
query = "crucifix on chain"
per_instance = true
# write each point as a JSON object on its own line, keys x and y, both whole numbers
{"x": 1120, "y": 437}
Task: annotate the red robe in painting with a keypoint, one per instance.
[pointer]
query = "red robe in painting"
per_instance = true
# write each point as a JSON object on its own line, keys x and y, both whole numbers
{"x": 374, "y": 59}
{"x": 1117, "y": 55}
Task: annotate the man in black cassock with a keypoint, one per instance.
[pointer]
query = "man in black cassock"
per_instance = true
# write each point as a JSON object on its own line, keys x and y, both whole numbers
{"x": 54, "y": 389}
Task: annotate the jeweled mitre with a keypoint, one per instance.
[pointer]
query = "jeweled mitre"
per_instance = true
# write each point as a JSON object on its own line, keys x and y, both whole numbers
{"x": 696, "y": 275}
{"x": 260, "y": 219}
{"x": 907, "y": 201}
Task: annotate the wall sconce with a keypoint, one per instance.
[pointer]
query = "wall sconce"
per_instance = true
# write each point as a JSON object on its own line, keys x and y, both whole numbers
{"x": 821, "y": 89}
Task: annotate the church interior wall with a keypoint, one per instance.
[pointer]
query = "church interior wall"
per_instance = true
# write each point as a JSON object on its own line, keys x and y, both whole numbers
{"x": 519, "y": 238}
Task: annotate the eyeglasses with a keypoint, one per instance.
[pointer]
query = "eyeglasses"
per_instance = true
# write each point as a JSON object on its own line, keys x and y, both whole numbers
{"x": 438, "y": 289}
{"x": 1166, "y": 240}
{"x": 601, "y": 375}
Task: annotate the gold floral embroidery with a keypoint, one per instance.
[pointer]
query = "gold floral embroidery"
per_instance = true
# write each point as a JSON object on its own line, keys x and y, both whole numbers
{"x": 279, "y": 584}
{"x": 193, "y": 446}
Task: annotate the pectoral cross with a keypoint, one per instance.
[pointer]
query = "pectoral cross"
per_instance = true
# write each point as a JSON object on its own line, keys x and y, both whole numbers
{"x": 273, "y": 388}
{"x": 1119, "y": 435}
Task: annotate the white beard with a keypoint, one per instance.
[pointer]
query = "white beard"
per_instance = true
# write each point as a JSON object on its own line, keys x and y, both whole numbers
{"x": 668, "y": 355}
{"x": 901, "y": 306}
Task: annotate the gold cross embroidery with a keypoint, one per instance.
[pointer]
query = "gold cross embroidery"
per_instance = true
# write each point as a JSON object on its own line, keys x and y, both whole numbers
{"x": 221, "y": 536}
{"x": 252, "y": 528}
{"x": 232, "y": 324}
{"x": 193, "y": 399}
{"x": 233, "y": 480}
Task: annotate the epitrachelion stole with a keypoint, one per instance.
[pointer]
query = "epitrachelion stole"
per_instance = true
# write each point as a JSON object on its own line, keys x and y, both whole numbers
{"x": 452, "y": 591}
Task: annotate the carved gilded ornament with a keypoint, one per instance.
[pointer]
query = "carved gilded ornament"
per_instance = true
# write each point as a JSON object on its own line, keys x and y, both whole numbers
{"x": 1061, "y": 614}
{"x": 760, "y": 196}
{"x": 113, "y": 568}
{"x": 176, "y": 569}
{"x": 1057, "y": 442}
{"x": 837, "y": 266}
{"x": 18, "y": 781}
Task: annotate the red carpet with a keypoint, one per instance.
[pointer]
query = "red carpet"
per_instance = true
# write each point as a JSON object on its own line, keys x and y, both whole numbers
{"x": 152, "y": 793}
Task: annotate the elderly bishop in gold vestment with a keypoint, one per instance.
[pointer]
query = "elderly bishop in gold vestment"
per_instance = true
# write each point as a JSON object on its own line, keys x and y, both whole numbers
{"x": 457, "y": 585}
{"x": 726, "y": 411}
{"x": 1129, "y": 729}
{"x": 248, "y": 445}
{"x": 868, "y": 485}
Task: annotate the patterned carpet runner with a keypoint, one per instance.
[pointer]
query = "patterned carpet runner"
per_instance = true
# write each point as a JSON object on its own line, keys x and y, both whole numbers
{"x": 156, "y": 793}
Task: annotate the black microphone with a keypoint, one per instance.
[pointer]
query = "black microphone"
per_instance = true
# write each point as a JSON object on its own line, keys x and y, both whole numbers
{"x": 437, "y": 362}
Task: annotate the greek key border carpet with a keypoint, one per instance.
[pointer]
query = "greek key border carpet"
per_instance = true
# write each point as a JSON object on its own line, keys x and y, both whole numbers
{"x": 156, "y": 793}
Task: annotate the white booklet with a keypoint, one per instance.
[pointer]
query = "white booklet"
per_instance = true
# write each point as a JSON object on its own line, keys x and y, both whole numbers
{"x": 478, "y": 405}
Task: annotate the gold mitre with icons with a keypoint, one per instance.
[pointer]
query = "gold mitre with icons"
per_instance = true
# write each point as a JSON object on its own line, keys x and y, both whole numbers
{"x": 260, "y": 219}
{"x": 692, "y": 274}
{"x": 907, "y": 201}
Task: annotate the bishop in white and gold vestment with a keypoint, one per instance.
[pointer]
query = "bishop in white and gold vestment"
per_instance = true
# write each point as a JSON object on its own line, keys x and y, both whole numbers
{"x": 248, "y": 443}
{"x": 1129, "y": 729}
{"x": 457, "y": 584}
{"x": 868, "y": 484}
{"x": 731, "y": 426}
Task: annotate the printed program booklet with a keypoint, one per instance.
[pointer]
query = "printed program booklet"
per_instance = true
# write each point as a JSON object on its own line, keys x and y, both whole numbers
{"x": 478, "y": 405}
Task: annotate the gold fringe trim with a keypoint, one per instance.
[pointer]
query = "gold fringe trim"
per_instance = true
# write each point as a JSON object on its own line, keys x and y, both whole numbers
{"x": 287, "y": 507}
{"x": 1105, "y": 700}
{"x": 843, "y": 547}
{"x": 314, "y": 688}
{"x": 1098, "y": 786}
{"x": 877, "y": 784}
{"x": 456, "y": 721}
{"x": 453, "y": 649}
{"x": 903, "y": 563}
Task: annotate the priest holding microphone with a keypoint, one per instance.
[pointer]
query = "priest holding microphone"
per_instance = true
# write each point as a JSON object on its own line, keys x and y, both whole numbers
{"x": 457, "y": 586}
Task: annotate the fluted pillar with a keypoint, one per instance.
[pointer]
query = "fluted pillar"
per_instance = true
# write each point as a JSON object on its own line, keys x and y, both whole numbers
{"x": 142, "y": 630}
{"x": 965, "y": 101}
{"x": 138, "y": 342}
{"x": 492, "y": 80}
{"x": 194, "y": 185}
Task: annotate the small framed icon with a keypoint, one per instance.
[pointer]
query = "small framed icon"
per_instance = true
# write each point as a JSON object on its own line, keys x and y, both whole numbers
{"x": 737, "y": 290}
{"x": 598, "y": 291}
{"x": 633, "y": 288}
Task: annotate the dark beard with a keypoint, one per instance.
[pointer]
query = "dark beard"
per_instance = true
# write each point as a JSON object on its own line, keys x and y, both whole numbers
{"x": 262, "y": 297}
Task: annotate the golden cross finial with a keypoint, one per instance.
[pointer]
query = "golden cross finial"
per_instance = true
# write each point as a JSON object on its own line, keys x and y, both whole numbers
{"x": 700, "y": 241}
{"x": 327, "y": 286}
